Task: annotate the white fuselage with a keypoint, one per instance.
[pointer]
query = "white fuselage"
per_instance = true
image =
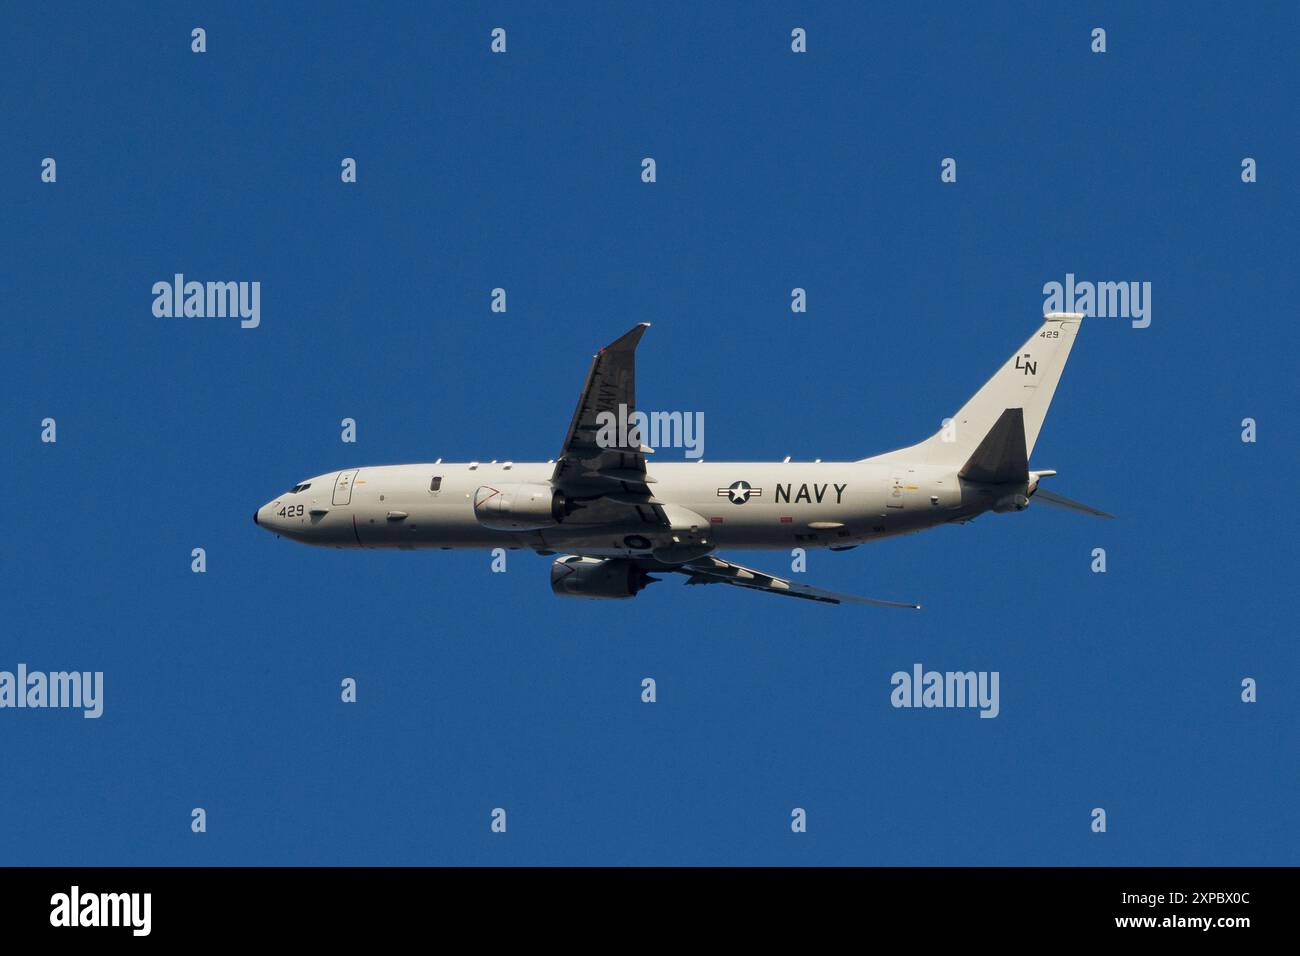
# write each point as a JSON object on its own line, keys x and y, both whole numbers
{"x": 621, "y": 517}
{"x": 777, "y": 506}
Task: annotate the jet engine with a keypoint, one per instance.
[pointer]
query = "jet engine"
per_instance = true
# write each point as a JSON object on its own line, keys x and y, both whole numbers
{"x": 518, "y": 507}
{"x": 575, "y": 576}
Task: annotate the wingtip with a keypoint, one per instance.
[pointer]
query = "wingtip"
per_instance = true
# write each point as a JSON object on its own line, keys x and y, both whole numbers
{"x": 628, "y": 339}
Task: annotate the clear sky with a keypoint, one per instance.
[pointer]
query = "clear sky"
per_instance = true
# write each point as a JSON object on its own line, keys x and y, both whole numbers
{"x": 775, "y": 170}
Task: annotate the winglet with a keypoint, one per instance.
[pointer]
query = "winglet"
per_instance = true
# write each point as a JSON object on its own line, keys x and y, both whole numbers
{"x": 629, "y": 339}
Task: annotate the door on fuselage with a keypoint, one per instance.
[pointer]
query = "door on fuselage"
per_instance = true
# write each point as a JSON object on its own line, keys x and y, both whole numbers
{"x": 343, "y": 487}
{"x": 900, "y": 500}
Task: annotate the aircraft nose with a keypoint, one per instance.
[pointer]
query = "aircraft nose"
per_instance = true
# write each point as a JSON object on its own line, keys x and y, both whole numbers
{"x": 264, "y": 517}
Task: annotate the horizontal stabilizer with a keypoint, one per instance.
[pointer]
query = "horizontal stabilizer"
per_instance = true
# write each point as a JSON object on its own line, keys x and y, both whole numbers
{"x": 1043, "y": 496}
{"x": 1001, "y": 457}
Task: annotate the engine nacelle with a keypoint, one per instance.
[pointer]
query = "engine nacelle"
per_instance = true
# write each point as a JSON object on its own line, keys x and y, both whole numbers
{"x": 575, "y": 576}
{"x": 517, "y": 507}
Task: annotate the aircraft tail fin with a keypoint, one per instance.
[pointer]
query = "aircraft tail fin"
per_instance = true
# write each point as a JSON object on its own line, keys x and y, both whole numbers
{"x": 983, "y": 436}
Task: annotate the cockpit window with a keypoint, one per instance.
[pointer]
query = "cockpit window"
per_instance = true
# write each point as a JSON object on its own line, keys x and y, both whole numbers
{"x": 436, "y": 483}
{"x": 297, "y": 488}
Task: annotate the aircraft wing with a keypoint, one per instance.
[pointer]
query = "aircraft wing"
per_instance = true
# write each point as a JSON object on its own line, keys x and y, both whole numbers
{"x": 586, "y": 469}
{"x": 714, "y": 570}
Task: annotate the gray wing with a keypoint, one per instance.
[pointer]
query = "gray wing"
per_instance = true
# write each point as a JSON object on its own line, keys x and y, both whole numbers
{"x": 601, "y": 471}
{"x": 714, "y": 570}
{"x": 587, "y": 468}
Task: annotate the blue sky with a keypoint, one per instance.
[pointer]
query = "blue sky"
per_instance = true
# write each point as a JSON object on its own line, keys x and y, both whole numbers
{"x": 775, "y": 170}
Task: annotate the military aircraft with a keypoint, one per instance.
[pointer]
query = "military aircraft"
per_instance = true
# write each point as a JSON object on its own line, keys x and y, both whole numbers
{"x": 620, "y": 520}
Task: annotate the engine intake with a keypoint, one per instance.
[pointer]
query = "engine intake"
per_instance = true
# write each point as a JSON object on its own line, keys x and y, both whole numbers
{"x": 579, "y": 577}
{"x": 518, "y": 507}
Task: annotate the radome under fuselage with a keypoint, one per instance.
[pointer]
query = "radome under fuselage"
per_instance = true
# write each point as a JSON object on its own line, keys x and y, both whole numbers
{"x": 756, "y": 506}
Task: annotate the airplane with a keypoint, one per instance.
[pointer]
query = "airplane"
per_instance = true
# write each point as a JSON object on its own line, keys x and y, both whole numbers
{"x": 616, "y": 520}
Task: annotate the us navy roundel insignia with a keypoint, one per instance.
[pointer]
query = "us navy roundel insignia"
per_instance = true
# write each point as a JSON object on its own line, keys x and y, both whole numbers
{"x": 739, "y": 492}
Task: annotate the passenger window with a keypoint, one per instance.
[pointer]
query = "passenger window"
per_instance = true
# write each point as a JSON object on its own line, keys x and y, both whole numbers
{"x": 436, "y": 484}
